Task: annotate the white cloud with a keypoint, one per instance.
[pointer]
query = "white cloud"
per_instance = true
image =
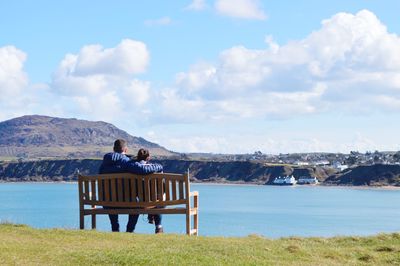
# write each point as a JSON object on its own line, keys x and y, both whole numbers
{"x": 99, "y": 82}
{"x": 137, "y": 92}
{"x": 175, "y": 108}
{"x": 17, "y": 96}
{"x": 13, "y": 79}
{"x": 158, "y": 22}
{"x": 245, "y": 9}
{"x": 197, "y": 5}
{"x": 198, "y": 77}
{"x": 350, "y": 64}
{"x": 104, "y": 106}
{"x": 127, "y": 58}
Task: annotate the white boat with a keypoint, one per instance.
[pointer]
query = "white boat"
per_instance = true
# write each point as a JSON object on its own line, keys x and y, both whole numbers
{"x": 308, "y": 180}
{"x": 285, "y": 181}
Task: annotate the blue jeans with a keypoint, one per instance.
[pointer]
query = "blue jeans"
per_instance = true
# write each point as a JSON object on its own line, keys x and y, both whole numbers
{"x": 130, "y": 226}
{"x": 157, "y": 219}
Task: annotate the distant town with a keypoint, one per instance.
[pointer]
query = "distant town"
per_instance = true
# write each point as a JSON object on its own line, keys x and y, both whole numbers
{"x": 338, "y": 161}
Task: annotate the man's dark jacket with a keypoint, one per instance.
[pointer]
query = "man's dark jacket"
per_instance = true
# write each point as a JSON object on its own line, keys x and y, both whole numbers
{"x": 115, "y": 162}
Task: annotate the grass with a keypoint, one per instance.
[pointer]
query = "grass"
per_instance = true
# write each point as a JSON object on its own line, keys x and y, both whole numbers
{"x": 23, "y": 245}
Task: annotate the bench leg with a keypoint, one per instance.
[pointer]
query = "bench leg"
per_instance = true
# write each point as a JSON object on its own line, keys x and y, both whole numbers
{"x": 93, "y": 221}
{"x": 196, "y": 224}
{"x": 196, "y": 216}
{"x": 188, "y": 222}
{"x": 81, "y": 221}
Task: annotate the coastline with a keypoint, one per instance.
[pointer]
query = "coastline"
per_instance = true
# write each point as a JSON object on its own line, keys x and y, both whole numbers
{"x": 232, "y": 172}
{"x": 297, "y": 186}
{"x": 228, "y": 183}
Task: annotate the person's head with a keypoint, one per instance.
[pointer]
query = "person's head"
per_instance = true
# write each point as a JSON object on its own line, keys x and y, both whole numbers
{"x": 120, "y": 146}
{"x": 143, "y": 155}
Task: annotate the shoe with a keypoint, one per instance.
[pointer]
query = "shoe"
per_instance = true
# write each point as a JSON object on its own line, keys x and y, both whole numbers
{"x": 150, "y": 219}
{"x": 159, "y": 230}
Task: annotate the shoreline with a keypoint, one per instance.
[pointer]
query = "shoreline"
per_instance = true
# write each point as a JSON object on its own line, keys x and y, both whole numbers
{"x": 229, "y": 184}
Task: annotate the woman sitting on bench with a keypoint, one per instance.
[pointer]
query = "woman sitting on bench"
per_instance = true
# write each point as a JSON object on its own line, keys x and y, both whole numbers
{"x": 143, "y": 158}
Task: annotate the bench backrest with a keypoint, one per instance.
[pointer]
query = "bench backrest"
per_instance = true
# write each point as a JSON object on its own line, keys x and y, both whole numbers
{"x": 131, "y": 190}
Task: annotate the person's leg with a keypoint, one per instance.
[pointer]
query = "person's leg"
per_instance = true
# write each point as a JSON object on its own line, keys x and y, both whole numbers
{"x": 114, "y": 222}
{"x": 150, "y": 218}
{"x": 132, "y": 221}
{"x": 157, "y": 222}
{"x": 157, "y": 219}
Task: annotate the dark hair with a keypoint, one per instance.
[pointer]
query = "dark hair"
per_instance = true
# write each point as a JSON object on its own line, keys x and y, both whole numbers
{"x": 119, "y": 145}
{"x": 142, "y": 154}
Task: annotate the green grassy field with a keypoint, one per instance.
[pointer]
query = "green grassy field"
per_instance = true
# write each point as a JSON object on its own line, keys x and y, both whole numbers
{"x": 22, "y": 245}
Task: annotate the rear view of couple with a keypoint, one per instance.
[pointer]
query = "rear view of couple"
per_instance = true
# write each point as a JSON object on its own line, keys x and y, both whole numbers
{"x": 119, "y": 162}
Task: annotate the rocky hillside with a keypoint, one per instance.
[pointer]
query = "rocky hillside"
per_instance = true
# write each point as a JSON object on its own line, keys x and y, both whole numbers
{"x": 241, "y": 171}
{"x": 36, "y": 136}
{"x": 249, "y": 172}
{"x": 208, "y": 171}
{"x": 370, "y": 175}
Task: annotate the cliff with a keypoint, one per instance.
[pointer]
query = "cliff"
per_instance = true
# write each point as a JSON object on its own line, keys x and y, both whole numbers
{"x": 369, "y": 175}
{"x": 250, "y": 172}
{"x": 208, "y": 171}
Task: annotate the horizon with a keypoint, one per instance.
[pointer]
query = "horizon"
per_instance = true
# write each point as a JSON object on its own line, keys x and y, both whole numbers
{"x": 283, "y": 78}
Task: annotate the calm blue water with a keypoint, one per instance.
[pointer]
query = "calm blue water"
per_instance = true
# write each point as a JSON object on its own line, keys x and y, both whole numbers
{"x": 225, "y": 210}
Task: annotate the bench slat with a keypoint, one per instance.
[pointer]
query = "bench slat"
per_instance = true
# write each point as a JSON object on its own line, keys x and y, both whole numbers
{"x": 146, "y": 190}
{"x": 107, "y": 189}
{"x": 93, "y": 189}
{"x": 167, "y": 189}
{"x": 100, "y": 189}
{"x": 153, "y": 194}
{"x": 181, "y": 192}
{"x": 133, "y": 189}
{"x": 120, "y": 194}
{"x": 173, "y": 184}
{"x": 160, "y": 191}
{"x": 140, "y": 185}
{"x": 86, "y": 192}
{"x": 125, "y": 184}
{"x": 113, "y": 190}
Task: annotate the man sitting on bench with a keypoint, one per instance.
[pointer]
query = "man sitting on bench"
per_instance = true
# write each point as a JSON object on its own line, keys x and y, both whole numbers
{"x": 118, "y": 162}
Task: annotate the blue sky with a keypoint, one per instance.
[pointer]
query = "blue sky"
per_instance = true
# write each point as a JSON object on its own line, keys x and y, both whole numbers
{"x": 210, "y": 76}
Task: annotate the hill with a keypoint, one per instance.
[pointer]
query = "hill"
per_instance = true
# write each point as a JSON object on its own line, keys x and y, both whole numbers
{"x": 34, "y": 136}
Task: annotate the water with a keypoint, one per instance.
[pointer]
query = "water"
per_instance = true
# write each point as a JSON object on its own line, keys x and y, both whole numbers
{"x": 225, "y": 210}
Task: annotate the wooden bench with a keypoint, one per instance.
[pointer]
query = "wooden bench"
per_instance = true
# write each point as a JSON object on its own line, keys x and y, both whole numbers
{"x": 138, "y": 194}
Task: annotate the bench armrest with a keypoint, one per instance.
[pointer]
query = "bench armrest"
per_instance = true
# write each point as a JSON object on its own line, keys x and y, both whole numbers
{"x": 194, "y": 193}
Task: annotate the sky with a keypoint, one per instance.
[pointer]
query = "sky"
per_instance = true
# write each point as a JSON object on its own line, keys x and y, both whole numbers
{"x": 221, "y": 76}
